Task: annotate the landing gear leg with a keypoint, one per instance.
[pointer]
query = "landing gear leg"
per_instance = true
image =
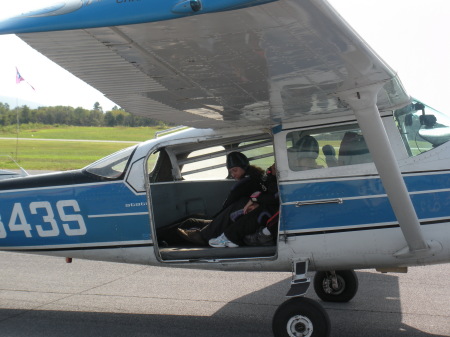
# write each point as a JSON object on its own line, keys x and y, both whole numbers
{"x": 336, "y": 286}
{"x": 300, "y": 316}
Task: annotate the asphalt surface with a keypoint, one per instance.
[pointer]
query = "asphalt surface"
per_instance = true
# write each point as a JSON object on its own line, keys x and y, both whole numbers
{"x": 44, "y": 296}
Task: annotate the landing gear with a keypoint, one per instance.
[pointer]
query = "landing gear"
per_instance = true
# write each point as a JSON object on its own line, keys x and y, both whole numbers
{"x": 336, "y": 286}
{"x": 301, "y": 316}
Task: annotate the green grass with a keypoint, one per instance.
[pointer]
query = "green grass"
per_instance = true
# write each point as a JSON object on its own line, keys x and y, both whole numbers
{"x": 138, "y": 134}
{"x": 64, "y": 155}
{"x": 54, "y": 155}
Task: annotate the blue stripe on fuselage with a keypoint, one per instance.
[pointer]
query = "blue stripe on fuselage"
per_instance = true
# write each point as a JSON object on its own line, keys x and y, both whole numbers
{"x": 111, "y": 212}
{"x": 364, "y": 202}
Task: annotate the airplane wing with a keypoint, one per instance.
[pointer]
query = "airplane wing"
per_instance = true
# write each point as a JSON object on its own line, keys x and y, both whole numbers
{"x": 277, "y": 62}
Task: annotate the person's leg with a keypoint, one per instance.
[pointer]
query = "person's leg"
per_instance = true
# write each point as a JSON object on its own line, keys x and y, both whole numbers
{"x": 194, "y": 223}
{"x": 221, "y": 221}
{"x": 245, "y": 225}
{"x": 190, "y": 230}
{"x": 169, "y": 235}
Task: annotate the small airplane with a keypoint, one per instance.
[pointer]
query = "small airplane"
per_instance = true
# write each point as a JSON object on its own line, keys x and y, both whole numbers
{"x": 254, "y": 77}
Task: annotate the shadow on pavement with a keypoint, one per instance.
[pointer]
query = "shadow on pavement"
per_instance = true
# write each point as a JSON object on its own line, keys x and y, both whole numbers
{"x": 375, "y": 311}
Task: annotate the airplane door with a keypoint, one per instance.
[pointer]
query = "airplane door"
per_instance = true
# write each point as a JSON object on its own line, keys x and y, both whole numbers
{"x": 189, "y": 180}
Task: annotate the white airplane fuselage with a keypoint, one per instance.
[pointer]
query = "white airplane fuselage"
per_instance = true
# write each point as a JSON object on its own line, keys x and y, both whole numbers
{"x": 336, "y": 217}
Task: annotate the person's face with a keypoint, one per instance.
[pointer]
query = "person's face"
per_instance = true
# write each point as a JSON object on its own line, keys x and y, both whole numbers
{"x": 237, "y": 172}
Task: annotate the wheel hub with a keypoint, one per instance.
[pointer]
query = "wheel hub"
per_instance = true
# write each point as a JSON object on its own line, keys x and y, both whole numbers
{"x": 299, "y": 326}
{"x": 335, "y": 287}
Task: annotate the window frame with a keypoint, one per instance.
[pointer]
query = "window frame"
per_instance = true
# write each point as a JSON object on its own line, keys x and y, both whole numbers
{"x": 286, "y": 174}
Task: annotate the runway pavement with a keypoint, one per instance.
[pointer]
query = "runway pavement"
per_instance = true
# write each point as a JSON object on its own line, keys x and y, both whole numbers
{"x": 44, "y": 296}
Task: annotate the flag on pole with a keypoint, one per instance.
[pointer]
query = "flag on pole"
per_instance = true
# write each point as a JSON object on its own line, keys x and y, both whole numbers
{"x": 19, "y": 79}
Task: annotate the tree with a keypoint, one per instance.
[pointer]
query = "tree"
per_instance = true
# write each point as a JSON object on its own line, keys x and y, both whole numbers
{"x": 110, "y": 119}
{"x": 69, "y": 116}
{"x": 24, "y": 115}
{"x": 98, "y": 107}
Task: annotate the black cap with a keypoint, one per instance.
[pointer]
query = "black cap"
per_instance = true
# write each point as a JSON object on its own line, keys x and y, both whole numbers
{"x": 237, "y": 159}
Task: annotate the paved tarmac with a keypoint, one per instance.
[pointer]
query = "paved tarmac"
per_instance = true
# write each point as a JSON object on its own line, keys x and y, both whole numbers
{"x": 44, "y": 296}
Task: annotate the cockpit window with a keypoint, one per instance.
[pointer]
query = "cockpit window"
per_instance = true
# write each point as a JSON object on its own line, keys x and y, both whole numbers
{"x": 422, "y": 128}
{"x": 112, "y": 166}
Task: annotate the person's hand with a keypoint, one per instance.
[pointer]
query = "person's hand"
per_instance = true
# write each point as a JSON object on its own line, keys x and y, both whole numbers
{"x": 250, "y": 206}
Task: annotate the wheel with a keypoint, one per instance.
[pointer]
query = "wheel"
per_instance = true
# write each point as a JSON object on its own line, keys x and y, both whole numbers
{"x": 301, "y": 316}
{"x": 343, "y": 291}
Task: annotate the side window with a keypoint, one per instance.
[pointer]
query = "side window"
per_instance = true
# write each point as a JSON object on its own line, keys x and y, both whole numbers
{"x": 210, "y": 163}
{"x": 313, "y": 149}
{"x": 204, "y": 164}
{"x": 112, "y": 166}
{"x": 259, "y": 153}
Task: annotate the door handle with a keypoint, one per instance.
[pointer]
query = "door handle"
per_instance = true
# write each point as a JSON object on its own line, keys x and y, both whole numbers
{"x": 317, "y": 202}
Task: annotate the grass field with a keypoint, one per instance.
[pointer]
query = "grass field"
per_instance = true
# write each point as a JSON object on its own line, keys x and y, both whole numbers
{"x": 77, "y": 132}
{"x": 61, "y": 155}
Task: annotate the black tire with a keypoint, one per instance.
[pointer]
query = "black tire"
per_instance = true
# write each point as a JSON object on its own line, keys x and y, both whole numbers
{"x": 347, "y": 286}
{"x": 301, "y": 316}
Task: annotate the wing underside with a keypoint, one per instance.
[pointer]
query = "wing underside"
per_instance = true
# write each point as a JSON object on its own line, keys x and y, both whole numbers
{"x": 280, "y": 62}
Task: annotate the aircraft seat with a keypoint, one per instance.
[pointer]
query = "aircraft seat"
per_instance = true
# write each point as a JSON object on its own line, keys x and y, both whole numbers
{"x": 304, "y": 154}
{"x": 353, "y": 150}
{"x": 330, "y": 155}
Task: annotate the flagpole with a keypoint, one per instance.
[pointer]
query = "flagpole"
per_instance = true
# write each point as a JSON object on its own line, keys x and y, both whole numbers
{"x": 17, "y": 128}
{"x": 19, "y": 79}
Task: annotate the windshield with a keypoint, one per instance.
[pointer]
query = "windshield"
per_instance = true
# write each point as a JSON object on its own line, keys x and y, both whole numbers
{"x": 113, "y": 166}
{"x": 422, "y": 128}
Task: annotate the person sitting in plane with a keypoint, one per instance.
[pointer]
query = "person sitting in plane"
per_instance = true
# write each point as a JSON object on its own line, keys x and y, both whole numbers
{"x": 262, "y": 207}
{"x": 264, "y": 236}
{"x": 303, "y": 156}
{"x": 248, "y": 177}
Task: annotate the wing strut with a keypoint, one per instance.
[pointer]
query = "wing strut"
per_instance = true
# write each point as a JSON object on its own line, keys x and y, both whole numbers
{"x": 363, "y": 102}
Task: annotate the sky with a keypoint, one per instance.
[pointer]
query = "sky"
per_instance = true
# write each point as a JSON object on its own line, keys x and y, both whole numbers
{"x": 412, "y": 36}
{"x": 52, "y": 84}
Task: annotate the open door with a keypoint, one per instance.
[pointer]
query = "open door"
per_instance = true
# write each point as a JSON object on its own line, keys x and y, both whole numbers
{"x": 190, "y": 180}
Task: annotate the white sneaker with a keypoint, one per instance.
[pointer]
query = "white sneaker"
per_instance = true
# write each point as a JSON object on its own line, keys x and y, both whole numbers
{"x": 216, "y": 241}
{"x": 222, "y": 241}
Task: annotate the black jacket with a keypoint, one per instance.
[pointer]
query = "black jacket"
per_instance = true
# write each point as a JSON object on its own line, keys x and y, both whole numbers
{"x": 245, "y": 187}
{"x": 268, "y": 197}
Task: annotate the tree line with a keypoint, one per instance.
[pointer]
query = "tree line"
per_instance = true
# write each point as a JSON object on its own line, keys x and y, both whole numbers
{"x": 68, "y": 115}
